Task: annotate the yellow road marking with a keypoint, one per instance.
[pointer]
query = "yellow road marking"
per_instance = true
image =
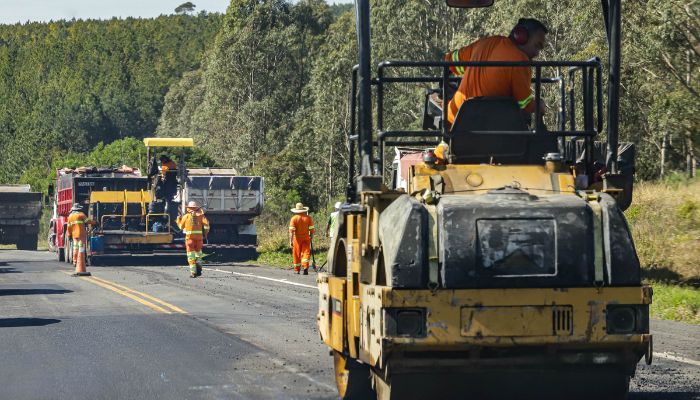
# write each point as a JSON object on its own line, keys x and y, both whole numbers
{"x": 127, "y": 294}
{"x": 157, "y": 300}
{"x": 125, "y": 291}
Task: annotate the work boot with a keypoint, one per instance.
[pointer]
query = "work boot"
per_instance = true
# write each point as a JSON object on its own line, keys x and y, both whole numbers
{"x": 193, "y": 275}
{"x": 306, "y": 271}
{"x": 296, "y": 271}
{"x": 199, "y": 270}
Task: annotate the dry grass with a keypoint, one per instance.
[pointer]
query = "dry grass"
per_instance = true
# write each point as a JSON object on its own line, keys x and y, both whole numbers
{"x": 665, "y": 223}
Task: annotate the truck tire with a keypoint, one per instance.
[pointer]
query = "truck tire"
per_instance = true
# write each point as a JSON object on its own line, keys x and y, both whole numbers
{"x": 68, "y": 249}
{"x": 27, "y": 242}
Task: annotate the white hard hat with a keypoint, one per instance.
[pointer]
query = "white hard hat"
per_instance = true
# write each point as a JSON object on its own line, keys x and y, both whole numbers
{"x": 337, "y": 205}
{"x": 192, "y": 204}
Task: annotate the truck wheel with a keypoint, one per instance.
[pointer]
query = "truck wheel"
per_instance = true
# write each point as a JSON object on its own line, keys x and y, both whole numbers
{"x": 61, "y": 252}
{"x": 68, "y": 249}
{"x": 27, "y": 242}
{"x": 352, "y": 378}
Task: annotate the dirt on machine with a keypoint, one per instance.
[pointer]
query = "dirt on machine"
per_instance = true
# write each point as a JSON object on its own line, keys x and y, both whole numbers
{"x": 504, "y": 268}
{"x": 136, "y": 213}
{"x": 20, "y": 212}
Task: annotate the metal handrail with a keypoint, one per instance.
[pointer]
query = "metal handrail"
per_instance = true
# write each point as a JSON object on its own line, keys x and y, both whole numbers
{"x": 591, "y": 74}
{"x": 158, "y": 214}
{"x": 147, "y": 216}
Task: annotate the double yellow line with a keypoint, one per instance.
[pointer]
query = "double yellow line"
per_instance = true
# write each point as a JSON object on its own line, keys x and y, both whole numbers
{"x": 147, "y": 300}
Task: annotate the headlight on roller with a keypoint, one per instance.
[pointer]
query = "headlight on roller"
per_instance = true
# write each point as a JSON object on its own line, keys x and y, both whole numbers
{"x": 405, "y": 322}
{"x": 627, "y": 318}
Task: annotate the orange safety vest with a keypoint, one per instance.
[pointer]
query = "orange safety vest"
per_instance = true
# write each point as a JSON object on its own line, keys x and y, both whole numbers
{"x": 76, "y": 224}
{"x": 195, "y": 225}
{"x": 491, "y": 81}
{"x": 301, "y": 226}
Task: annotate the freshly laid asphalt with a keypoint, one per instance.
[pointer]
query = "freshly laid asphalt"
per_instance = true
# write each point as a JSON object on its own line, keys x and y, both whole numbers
{"x": 239, "y": 332}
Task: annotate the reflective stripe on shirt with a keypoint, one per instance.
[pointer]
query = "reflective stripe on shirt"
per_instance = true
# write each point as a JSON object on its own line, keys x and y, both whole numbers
{"x": 523, "y": 103}
{"x": 455, "y": 58}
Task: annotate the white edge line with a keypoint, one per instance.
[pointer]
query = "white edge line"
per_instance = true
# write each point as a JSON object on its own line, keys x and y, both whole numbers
{"x": 669, "y": 356}
{"x": 261, "y": 277}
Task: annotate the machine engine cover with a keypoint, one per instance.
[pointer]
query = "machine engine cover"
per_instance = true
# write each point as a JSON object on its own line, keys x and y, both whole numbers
{"x": 403, "y": 232}
{"x": 508, "y": 238}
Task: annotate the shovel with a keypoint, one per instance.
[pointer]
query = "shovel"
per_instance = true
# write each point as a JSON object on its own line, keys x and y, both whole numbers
{"x": 313, "y": 259}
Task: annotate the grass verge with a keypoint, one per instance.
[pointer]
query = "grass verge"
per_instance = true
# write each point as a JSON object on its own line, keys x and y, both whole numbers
{"x": 677, "y": 303}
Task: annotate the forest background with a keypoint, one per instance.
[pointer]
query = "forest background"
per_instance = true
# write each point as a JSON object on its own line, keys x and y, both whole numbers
{"x": 265, "y": 88}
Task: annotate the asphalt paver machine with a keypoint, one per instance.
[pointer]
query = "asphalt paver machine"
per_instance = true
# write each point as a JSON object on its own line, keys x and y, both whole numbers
{"x": 507, "y": 271}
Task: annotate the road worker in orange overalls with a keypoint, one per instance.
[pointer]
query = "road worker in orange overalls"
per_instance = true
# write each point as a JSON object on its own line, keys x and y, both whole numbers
{"x": 196, "y": 227}
{"x": 78, "y": 232}
{"x": 301, "y": 230}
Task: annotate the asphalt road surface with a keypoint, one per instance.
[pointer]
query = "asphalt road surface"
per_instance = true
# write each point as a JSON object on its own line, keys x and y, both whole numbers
{"x": 240, "y": 332}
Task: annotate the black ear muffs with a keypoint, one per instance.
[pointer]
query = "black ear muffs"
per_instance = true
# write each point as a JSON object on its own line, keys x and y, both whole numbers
{"x": 520, "y": 34}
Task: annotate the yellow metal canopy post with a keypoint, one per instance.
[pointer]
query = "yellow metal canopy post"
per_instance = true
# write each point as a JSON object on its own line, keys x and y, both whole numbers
{"x": 168, "y": 142}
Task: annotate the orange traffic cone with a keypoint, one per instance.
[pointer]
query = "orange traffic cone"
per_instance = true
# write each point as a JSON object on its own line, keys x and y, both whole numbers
{"x": 80, "y": 269}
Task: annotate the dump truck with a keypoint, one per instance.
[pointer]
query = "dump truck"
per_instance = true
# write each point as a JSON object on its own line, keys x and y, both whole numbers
{"x": 505, "y": 268}
{"x": 231, "y": 203}
{"x": 76, "y": 185}
{"x": 20, "y": 212}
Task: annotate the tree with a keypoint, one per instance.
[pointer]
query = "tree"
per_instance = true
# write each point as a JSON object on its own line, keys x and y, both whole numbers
{"x": 69, "y": 85}
{"x": 185, "y": 8}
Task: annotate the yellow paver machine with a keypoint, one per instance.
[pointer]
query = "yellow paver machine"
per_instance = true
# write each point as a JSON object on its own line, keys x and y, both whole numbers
{"x": 506, "y": 271}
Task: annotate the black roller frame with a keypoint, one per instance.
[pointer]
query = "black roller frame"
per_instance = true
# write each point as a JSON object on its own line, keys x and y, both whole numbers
{"x": 591, "y": 71}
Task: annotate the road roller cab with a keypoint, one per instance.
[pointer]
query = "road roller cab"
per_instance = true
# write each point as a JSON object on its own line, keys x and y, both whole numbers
{"x": 504, "y": 268}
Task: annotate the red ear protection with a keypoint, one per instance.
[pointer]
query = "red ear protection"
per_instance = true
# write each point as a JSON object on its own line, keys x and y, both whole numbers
{"x": 520, "y": 35}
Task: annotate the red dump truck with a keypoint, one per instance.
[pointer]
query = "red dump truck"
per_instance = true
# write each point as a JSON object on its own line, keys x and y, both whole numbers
{"x": 75, "y": 186}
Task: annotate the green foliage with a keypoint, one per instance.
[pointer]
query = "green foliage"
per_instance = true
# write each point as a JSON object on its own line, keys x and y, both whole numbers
{"x": 185, "y": 8}
{"x": 286, "y": 180}
{"x": 688, "y": 210}
{"x": 340, "y": 9}
{"x": 676, "y": 303}
{"x": 127, "y": 151}
{"x": 66, "y": 86}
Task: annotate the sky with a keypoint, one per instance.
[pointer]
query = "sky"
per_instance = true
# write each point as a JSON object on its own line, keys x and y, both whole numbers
{"x": 14, "y": 11}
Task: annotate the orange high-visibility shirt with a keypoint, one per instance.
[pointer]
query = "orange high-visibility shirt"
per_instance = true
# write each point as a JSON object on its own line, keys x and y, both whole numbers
{"x": 301, "y": 225}
{"x": 195, "y": 225}
{"x": 491, "y": 81}
{"x": 76, "y": 224}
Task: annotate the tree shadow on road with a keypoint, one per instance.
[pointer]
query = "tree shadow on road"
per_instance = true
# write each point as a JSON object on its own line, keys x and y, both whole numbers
{"x": 27, "y": 292}
{"x": 19, "y": 322}
{"x": 665, "y": 396}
